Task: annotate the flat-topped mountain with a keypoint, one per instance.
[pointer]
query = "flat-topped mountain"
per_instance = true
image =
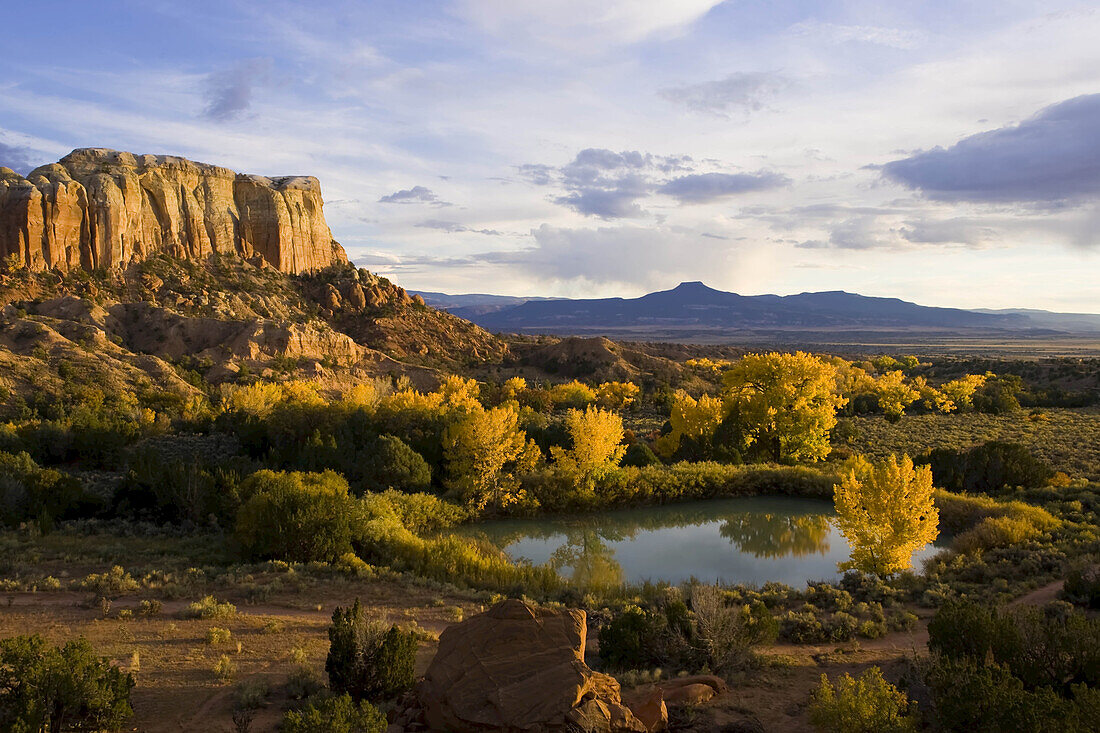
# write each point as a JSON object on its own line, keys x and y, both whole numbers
{"x": 693, "y": 305}
{"x": 98, "y": 208}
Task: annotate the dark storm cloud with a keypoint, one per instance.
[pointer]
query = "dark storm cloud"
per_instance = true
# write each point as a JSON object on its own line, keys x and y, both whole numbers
{"x": 699, "y": 188}
{"x": 20, "y": 159}
{"x": 742, "y": 92}
{"x": 1051, "y": 157}
{"x": 414, "y": 195}
{"x": 229, "y": 92}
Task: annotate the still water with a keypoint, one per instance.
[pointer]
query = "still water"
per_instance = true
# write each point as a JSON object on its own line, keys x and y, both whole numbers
{"x": 742, "y": 540}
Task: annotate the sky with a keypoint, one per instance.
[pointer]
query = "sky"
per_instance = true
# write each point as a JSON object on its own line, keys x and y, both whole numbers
{"x": 944, "y": 152}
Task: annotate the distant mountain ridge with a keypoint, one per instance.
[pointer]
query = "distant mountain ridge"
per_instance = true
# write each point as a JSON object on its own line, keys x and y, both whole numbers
{"x": 695, "y": 305}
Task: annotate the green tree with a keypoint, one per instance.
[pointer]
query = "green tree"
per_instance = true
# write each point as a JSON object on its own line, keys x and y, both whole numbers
{"x": 393, "y": 464}
{"x": 50, "y": 689}
{"x": 301, "y": 517}
{"x": 886, "y": 512}
{"x": 786, "y": 403}
{"x": 365, "y": 659}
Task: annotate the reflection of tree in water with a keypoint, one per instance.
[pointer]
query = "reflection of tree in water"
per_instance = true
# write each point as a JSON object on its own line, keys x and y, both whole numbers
{"x": 778, "y": 535}
{"x": 592, "y": 561}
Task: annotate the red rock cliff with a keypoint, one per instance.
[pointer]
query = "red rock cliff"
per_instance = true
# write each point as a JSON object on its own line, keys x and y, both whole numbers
{"x": 104, "y": 208}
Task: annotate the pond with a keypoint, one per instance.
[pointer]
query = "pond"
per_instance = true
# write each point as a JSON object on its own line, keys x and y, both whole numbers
{"x": 749, "y": 540}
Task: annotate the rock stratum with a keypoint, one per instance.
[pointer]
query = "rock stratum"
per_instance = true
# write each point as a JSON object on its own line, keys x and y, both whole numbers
{"x": 98, "y": 208}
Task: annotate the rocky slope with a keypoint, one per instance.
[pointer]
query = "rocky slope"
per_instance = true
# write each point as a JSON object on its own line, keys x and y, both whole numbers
{"x": 98, "y": 208}
{"x": 163, "y": 322}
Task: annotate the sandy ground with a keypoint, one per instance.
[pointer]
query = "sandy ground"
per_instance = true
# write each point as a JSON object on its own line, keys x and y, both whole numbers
{"x": 177, "y": 689}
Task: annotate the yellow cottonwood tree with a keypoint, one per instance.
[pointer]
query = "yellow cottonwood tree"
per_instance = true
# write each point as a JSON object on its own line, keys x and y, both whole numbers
{"x": 931, "y": 397}
{"x": 485, "y": 450}
{"x": 885, "y": 511}
{"x": 894, "y": 395}
{"x": 961, "y": 391}
{"x": 597, "y": 437}
{"x": 786, "y": 403}
{"x": 616, "y": 395}
{"x": 691, "y": 417}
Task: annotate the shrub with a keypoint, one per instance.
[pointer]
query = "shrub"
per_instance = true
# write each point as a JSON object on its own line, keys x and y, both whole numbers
{"x": 111, "y": 584}
{"x": 28, "y": 492}
{"x": 393, "y": 464}
{"x": 335, "y": 714}
{"x": 366, "y": 660}
{"x": 626, "y": 642}
{"x": 67, "y": 688}
{"x": 224, "y": 669}
{"x": 1082, "y": 587}
{"x": 209, "y": 608}
{"x": 995, "y": 532}
{"x": 987, "y": 468}
{"x": 217, "y": 635}
{"x": 149, "y": 607}
{"x": 252, "y": 693}
{"x": 300, "y": 517}
{"x": 303, "y": 682}
{"x": 868, "y": 704}
{"x": 640, "y": 455}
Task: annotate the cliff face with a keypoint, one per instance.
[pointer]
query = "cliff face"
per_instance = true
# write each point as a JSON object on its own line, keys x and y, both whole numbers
{"x": 103, "y": 208}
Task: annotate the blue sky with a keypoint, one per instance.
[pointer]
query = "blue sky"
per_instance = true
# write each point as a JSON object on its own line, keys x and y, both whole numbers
{"x": 942, "y": 152}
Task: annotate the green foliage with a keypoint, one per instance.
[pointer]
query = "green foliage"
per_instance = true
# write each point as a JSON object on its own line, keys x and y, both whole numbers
{"x": 999, "y": 395}
{"x": 182, "y": 477}
{"x": 46, "y": 688}
{"x": 867, "y": 704}
{"x": 1041, "y": 649}
{"x": 1082, "y": 587}
{"x": 366, "y": 660}
{"x": 640, "y": 455}
{"x": 715, "y": 633}
{"x": 31, "y": 493}
{"x": 987, "y": 468}
{"x": 298, "y": 517}
{"x": 334, "y": 714}
{"x": 393, "y": 464}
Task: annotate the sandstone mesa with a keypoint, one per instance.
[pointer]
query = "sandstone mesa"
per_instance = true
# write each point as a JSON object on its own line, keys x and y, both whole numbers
{"x": 99, "y": 208}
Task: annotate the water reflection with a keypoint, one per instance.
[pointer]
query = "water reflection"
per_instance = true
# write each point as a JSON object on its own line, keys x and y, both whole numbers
{"x": 745, "y": 540}
{"x": 778, "y": 535}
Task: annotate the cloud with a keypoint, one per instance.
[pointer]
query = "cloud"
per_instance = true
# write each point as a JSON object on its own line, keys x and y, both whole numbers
{"x": 648, "y": 256}
{"x": 414, "y": 195}
{"x": 453, "y": 227}
{"x": 700, "y": 188}
{"x": 836, "y": 33}
{"x": 540, "y": 175}
{"x": 607, "y": 184}
{"x": 741, "y": 92}
{"x": 229, "y": 92}
{"x": 1051, "y": 157}
{"x": 582, "y": 25}
{"x": 17, "y": 157}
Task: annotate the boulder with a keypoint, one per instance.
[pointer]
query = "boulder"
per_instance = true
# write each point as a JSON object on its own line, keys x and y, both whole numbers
{"x": 694, "y": 690}
{"x": 520, "y": 668}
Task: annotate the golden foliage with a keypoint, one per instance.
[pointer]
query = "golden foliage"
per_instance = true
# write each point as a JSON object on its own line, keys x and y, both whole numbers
{"x": 886, "y": 512}
{"x": 786, "y": 403}
{"x": 961, "y": 391}
{"x": 616, "y": 395}
{"x": 894, "y": 395}
{"x": 485, "y": 450}
{"x": 597, "y": 443}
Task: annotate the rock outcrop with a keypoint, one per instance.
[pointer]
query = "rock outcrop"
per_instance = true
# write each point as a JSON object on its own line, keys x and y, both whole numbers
{"x": 98, "y": 208}
{"x": 517, "y": 668}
